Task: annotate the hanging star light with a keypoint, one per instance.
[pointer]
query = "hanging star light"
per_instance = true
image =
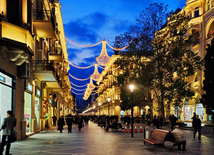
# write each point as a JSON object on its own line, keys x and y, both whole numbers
{"x": 103, "y": 58}
{"x": 96, "y": 75}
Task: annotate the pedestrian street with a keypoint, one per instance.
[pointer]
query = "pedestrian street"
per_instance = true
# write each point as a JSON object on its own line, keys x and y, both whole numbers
{"x": 93, "y": 140}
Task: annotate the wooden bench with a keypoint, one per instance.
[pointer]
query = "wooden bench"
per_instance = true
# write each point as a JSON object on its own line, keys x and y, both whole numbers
{"x": 163, "y": 137}
{"x": 157, "y": 137}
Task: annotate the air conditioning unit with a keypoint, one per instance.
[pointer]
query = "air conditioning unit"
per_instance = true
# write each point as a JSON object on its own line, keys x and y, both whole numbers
{"x": 23, "y": 71}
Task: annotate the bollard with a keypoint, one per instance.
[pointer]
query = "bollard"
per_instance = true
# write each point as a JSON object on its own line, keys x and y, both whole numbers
{"x": 130, "y": 128}
{"x": 126, "y": 128}
{"x": 141, "y": 130}
{"x": 135, "y": 130}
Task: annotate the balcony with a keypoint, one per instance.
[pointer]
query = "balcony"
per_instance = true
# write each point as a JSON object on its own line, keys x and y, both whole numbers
{"x": 45, "y": 72}
{"x": 44, "y": 22}
{"x": 56, "y": 55}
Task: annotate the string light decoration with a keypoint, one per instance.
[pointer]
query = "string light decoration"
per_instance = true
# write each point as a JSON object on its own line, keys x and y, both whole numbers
{"x": 79, "y": 66}
{"x": 103, "y": 58}
{"x": 96, "y": 75}
{"x": 78, "y": 89}
{"x": 119, "y": 49}
{"x": 77, "y": 93}
{"x": 78, "y": 78}
{"x": 109, "y": 69}
{"x": 78, "y": 86}
{"x": 84, "y": 46}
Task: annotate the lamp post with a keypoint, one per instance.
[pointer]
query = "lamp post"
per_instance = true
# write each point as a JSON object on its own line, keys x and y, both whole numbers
{"x": 94, "y": 109}
{"x": 132, "y": 89}
{"x": 99, "y": 108}
{"x": 108, "y": 99}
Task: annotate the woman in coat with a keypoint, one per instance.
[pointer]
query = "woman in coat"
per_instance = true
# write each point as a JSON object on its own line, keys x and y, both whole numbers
{"x": 61, "y": 123}
{"x": 80, "y": 123}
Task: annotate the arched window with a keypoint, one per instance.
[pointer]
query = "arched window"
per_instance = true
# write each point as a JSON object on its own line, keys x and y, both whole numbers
{"x": 197, "y": 12}
{"x": 208, "y": 5}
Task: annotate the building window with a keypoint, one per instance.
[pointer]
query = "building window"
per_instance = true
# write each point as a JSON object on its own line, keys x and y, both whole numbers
{"x": 208, "y": 5}
{"x": 197, "y": 12}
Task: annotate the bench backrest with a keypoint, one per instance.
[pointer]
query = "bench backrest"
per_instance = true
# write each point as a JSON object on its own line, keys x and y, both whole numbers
{"x": 159, "y": 135}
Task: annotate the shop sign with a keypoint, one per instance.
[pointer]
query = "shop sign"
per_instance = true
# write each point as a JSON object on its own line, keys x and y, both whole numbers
{"x": 2, "y": 79}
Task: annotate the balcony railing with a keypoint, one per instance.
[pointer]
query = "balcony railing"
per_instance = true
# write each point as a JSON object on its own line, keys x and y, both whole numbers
{"x": 43, "y": 65}
{"x": 45, "y": 15}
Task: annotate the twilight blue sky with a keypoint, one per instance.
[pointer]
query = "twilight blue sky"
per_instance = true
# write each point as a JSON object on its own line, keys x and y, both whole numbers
{"x": 90, "y": 21}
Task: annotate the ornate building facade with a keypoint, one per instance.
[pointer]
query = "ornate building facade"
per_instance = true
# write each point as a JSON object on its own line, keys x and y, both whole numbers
{"x": 33, "y": 64}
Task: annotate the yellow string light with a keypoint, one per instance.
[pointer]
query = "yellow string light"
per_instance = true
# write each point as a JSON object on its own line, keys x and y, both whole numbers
{"x": 80, "y": 67}
{"x": 78, "y": 78}
{"x": 110, "y": 69}
{"x": 78, "y": 86}
{"x": 77, "y": 93}
{"x": 78, "y": 89}
{"x": 119, "y": 49}
{"x": 91, "y": 86}
{"x": 84, "y": 46}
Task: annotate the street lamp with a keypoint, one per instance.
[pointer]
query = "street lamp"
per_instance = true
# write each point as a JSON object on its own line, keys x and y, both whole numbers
{"x": 132, "y": 89}
{"x": 108, "y": 99}
{"x": 99, "y": 108}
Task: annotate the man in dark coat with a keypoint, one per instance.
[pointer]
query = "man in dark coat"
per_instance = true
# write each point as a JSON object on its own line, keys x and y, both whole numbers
{"x": 60, "y": 123}
{"x": 197, "y": 127}
{"x": 8, "y": 131}
{"x": 69, "y": 121}
{"x": 80, "y": 123}
{"x": 173, "y": 121}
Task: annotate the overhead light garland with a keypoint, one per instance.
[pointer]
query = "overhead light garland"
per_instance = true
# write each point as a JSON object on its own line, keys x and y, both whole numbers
{"x": 79, "y": 66}
{"x": 78, "y": 78}
{"x": 78, "y": 86}
{"x": 91, "y": 85}
{"x": 119, "y": 49}
{"x": 78, "y": 89}
{"x": 84, "y": 46}
{"x": 77, "y": 93}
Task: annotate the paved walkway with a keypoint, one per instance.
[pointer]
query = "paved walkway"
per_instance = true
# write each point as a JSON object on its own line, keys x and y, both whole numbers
{"x": 93, "y": 140}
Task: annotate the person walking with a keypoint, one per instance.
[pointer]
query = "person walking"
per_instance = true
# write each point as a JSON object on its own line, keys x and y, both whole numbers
{"x": 161, "y": 122}
{"x": 54, "y": 120}
{"x": 80, "y": 123}
{"x": 8, "y": 131}
{"x": 197, "y": 127}
{"x": 60, "y": 123}
{"x": 69, "y": 121}
{"x": 173, "y": 121}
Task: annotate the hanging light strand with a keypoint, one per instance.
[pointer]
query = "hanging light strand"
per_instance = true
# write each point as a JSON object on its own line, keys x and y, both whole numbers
{"x": 78, "y": 89}
{"x": 119, "y": 49}
{"x": 109, "y": 69}
{"x": 84, "y": 46}
{"x": 77, "y": 85}
{"x": 77, "y": 93}
{"x": 80, "y": 67}
{"x": 78, "y": 78}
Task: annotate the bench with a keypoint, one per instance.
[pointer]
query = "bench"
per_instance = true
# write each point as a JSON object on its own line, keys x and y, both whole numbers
{"x": 157, "y": 137}
{"x": 164, "y": 138}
